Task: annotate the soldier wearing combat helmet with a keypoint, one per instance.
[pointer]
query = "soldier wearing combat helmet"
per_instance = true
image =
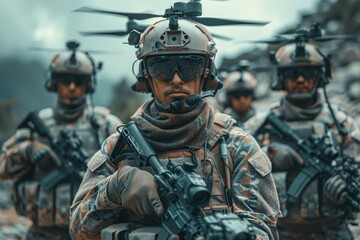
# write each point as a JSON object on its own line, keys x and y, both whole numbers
{"x": 321, "y": 209}
{"x": 29, "y": 156}
{"x": 176, "y": 67}
{"x": 240, "y": 91}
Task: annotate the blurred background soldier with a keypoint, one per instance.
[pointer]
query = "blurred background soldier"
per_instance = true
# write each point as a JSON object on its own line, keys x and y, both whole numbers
{"x": 329, "y": 136}
{"x": 239, "y": 92}
{"x": 176, "y": 66}
{"x": 43, "y": 163}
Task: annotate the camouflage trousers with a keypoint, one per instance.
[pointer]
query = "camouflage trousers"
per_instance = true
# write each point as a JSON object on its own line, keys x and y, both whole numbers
{"x": 323, "y": 232}
{"x": 36, "y": 233}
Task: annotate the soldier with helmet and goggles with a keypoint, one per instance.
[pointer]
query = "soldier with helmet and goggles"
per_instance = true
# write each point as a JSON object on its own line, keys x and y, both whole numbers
{"x": 29, "y": 156}
{"x": 176, "y": 67}
{"x": 321, "y": 210}
{"x": 239, "y": 90}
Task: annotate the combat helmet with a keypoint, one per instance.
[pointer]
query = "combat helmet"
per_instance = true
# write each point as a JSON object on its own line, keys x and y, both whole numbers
{"x": 298, "y": 55}
{"x": 176, "y": 37}
{"x": 72, "y": 62}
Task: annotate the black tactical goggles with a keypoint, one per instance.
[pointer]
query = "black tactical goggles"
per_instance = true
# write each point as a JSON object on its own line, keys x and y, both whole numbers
{"x": 306, "y": 72}
{"x": 188, "y": 67}
{"x": 67, "y": 79}
{"x": 241, "y": 93}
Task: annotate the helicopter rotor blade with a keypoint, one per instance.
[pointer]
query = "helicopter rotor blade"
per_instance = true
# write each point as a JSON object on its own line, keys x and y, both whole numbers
{"x": 41, "y": 49}
{"x": 137, "y": 16}
{"x": 336, "y": 37}
{"x": 208, "y": 21}
{"x": 275, "y": 40}
{"x": 106, "y": 33}
{"x": 221, "y": 37}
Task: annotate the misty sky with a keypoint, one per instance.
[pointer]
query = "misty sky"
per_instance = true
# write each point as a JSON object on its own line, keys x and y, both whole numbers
{"x": 49, "y": 23}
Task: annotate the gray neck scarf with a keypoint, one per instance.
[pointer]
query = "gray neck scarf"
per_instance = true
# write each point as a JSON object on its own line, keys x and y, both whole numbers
{"x": 291, "y": 112}
{"x": 66, "y": 111}
{"x": 168, "y": 131}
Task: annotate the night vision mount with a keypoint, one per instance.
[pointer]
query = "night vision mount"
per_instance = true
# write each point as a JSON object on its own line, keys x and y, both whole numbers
{"x": 73, "y": 46}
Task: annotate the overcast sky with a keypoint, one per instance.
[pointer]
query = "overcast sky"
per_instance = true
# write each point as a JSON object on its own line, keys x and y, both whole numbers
{"x": 49, "y": 23}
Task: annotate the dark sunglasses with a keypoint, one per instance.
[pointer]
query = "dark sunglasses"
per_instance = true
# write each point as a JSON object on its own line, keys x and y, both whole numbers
{"x": 242, "y": 93}
{"x": 67, "y": 79}
{"x": 306, "y": 72}
{"x": 188, "y": 67}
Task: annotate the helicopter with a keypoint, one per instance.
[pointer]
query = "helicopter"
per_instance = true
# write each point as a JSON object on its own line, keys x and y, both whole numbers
{"x": 313, "y": 33}
{"x": 191, "y": 10}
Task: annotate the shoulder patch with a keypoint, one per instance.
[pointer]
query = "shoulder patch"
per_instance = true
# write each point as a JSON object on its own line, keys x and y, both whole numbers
{"x": 96, "y": 161}
{"x": 261, "y": 163}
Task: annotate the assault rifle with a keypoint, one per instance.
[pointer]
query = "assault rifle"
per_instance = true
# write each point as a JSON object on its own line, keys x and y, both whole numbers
{"x": 183, "y": 194}
{"x": 67, "y": 147}
{"x": 319, "y": 154}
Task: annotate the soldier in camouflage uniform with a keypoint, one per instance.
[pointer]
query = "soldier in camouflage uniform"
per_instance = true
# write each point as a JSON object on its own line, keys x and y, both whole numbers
{"x": 114, "y": 190}
{"x": 239, "y": 90}
{"x": 319, "y": 212}
{"x": 27, "y": 158}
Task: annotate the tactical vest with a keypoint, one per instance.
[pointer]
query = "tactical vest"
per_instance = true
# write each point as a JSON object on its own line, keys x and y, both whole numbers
{"x": 208, "y": 160}
{"x": 51, "y": 208}
{"x": 311, "y": 205}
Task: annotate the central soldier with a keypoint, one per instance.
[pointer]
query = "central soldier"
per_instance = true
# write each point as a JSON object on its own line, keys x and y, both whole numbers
{"x": 177, "y": 68}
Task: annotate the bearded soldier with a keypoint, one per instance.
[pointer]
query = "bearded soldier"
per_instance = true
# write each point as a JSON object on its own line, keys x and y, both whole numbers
{"x": 318, "y": 139}
{"x": 176, "y": 66}
{"x": 43, "y": 189}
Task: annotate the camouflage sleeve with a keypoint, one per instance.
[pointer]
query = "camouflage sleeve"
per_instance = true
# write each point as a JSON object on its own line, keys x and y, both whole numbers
{"x": 254, "y": 192}
{"x": 351, "y": 143}
{"x": 14, "y": 156}
{"x": 92, "y": 209}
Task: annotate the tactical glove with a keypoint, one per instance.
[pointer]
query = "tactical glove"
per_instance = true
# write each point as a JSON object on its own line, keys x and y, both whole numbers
{"x": 135, "y": 189}
{"x": 335, "y": 190}
{"x": 284, "y": 157}
{"x": 41, "y": 154}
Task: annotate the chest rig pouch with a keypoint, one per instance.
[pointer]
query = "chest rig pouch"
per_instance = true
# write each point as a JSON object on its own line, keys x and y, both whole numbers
{"x": 209, "y": 161}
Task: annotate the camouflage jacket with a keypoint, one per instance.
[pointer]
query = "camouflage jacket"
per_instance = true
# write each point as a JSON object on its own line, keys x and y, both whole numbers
{"x": 51, "y": 208}
{"x": 311, "y": 207}
{"x": 253, "y": 189}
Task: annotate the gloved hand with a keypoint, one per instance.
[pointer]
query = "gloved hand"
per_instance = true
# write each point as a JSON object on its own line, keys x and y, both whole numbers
{"x": 135, "y": 189}
{"x": 335, "y": 190}
{"x": 284, "y": 157}
{"x": 41, "y": 154}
